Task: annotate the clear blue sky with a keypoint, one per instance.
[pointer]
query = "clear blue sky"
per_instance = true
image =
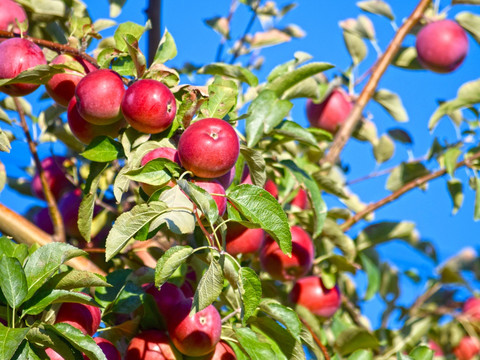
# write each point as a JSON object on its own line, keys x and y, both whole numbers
{"x": 419, "y": 90}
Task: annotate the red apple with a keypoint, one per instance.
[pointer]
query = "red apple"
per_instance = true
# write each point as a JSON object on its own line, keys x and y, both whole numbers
{"x": 149, "y": 106}
{"x": 167, "y": 297}
{"x": 467, "y": 348}
{"x": 161, "y": 152}
{"x": 441, "y": 46}
{"x": 437, "y": 350}
{"x": 269, "y": 184}
{"x": 53, "y": 355}
{"x": 53, "y": 168}
{"x": 300, "y": 200}
{"x": 84, "y": 317}
{"x": 43, "y": 220}
{"x": 110, "y": 351}
{"x": 195, "y": 335}
{"x": 10, "y": 14}
{"x": 99, "y": 95}
{"x": 280, "y": 266}
{"x": 209, "y": 148}
{"x": 331, "y": 112}
{"x": 227, "y": 179}
{"x": 310, "y": 292}
{"x": 471, "y": 308}
{"x": 242, "y": 240}
{"x": 61, "y": 87}
{"x": 17, "y": 55}
{"x": 214, "y": 187}
{"x": 151, "y": 345}
{"x": 86, "y": 131}
{"x": 223, "y": 351}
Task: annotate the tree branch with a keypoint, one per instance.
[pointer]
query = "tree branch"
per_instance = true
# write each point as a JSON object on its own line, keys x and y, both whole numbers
{"x": 405, "y": 188}
{"x": 316, "y": 339}
{"x": 154, "y": 13}
{"x": 233, "y": 8}
{"x": 249, "y": 26}
{"x": 382, "y": 64}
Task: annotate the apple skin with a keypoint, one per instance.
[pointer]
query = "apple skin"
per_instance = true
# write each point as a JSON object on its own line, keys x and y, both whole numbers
{"x": 227, "y": 179}
{"x": 214, "y": 187}
{"x": 195, "y": 335}
{"x": 17, "y": 55}
{"x": 55, "y": 175}
{"x": 300, "y": 200}
{"x": 53, "y": 355}
{"x": 151, "y": 345}
{"x": 223, "y": 351}
{"x": 441, "y": 46}
{"x": 331, "y": 112}
{"x": 169, "y": 295}
{"x": 43, "y": 220}
{"x": 269, "y": 186}
{"x": 161, "y": 152}
{"x": 10, "y": 13}
{"x": 61, "y": 87}
{"x": 310, "y": 292}
{"x": 467, "y": 348}
{"x": 86, "y": 318}
{"x": 471, "y": 308}
{"x": 99, "y": 95}
{"x": 242, "y": 240}
{"x": 209, "y": 148}
{"x": 437, "y": 350}
{"x": 110, "y": 351}
{"x": 284, "y": 268}
{"x": 85, "y": 131}
{"x": 149, "y": 106}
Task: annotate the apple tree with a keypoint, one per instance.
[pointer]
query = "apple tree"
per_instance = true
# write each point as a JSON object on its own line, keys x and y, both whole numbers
{"x": 187, "y": 219}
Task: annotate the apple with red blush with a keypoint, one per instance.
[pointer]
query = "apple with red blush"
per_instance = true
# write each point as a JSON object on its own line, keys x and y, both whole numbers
{"x": 168, "y": 296}
{"x": 43, "y": 220}
{"x": 242, "y": 240}
{"x": 10, "y": 14}
{"x": 53, "y": 355}
{"x": 223, "y": 351}
{"x": 84, "y": 317}
{"x": 159, "y": 153}
{"x": 214, "y": 187}
{"x": 300, "y": 200}
{"x": 108, "y": 349}
{"x": 467, "y": 349}
{"x": 54, "y": 171}
{"x": 151, "y": 345}
{"x": 471, "y": 308}
{"x": 331, "y": 112}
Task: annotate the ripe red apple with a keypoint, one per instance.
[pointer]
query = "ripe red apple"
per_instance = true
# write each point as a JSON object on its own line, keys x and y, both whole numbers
{"x": 441, "y": 46}
{"x": 55, "y": 175}
{"x": 86, "y": 131}
{"x": 227, "y": 179}
{"x": 167, "y": 297}
{"x": 437, "y": 350}
{"x": 310, "y": 292}
{"x": 161, "y": 152}
{"x": 467, "y": 348}
{"x": 110, "y": 351}
{"x": 269, "y": 184}
{"x": 17, "y": 55}
{"x": 331, "y": 112}
{"x": 149, "y": 106}
{"x": 84, "y": 317}
{"x": 242, "y": 240}
{"x": 151, "y": 345}
{"x": 300, "y": 200}
{"x": 53, "y": 355}
{"x": 61, "y": 87}
{"x": 214, "y": 187}
{"x": 223, "y": 351}
{"x": 471, "y": 308}
{"x": 280, "y": 266}
{"x": 99, "y": 95}
{"x": 43, "y": 220}
{"x": 195, "y": 335}
{"x": 209, "y": 148}
{"x": 10, "y": 13}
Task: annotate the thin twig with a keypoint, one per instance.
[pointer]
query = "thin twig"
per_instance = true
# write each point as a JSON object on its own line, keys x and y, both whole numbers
{"x": 353, "y": 312}
{"x": 233, "y": 8}
{"x": 245, "y": 33}
{"x": 52, "y": 205}
{"x": 424, "y": 297}
{"x": 317, "y": 340}
{"x": 232, "y": 314}
{"x": 382, "y": 64}
{"x": 405, "y": 188}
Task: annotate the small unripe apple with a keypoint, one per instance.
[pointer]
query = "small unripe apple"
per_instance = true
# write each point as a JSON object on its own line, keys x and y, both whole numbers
{"x": 209, "y": 148}
{"x": 151, "y": 345}
{"x": 10, "y": 14}
{"x": 441, "y": 46}
{"x": 310, "y": 292}
{"x": 471, "y": 308}
{"x": 86, "y": 318}
{"x": 223, "y": 351}
{"x": 195, "y": 335}
{"x": 99, "y": 95}
{"x": 167, "y": 297}
{"x": 53, "y": 168}
{"x": 214, "y": 187}
{"x": 242, "y": 240}
{"x": 149, "y": 106}
{"x": 331, "y": 112}
{"x": 300, "y": 200}
{"x": 61, "y": 87}
{"x": 282, "y": 267}
{"x": 17, "y": 55}
{"x": 467, "y": 348}
{"x": 161, "y": 152}
{"x": 110, "y": 351}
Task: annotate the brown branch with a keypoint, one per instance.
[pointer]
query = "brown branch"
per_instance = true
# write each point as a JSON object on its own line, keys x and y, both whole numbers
{"x": 353, "y": 312}
{"x": 52, "y": 205}
{"x": 52, "y": 45}
{"x": 23, "y": 231}
{"x": 382, "y": 64}
{"x": 154, "y": 13}
{"x": 405, "y": 188}
{"x": 424, "y": 297}
{"x": 317, "y": 340}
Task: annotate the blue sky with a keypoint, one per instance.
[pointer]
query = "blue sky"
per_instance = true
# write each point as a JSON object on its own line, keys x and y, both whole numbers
{"x": 420, "y": 90}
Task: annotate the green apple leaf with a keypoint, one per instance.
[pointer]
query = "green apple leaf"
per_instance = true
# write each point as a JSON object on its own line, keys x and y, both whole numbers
{"x": 13, "y": 281}
{"x": 455, "y": 189}
{"x": 406, "y": 58}
{"x": 44, "y": 298}
{"x": 405, "y": 173}
{"x": 392, "y": 103}
{"x": 471, "y": 23}
{"x": 75, "y": 279}
{"x": 222, "y": 97}
{"x": 209, "y": 287}
{"x": 284, "y": 315}
{"x": 378, "y": 7}
{"x": 384, "y": 149}
{"x": 201, "y": 198}
{"x": 130, "y": 28}
{"x": 257, "y": 350}
{"x": 356, "y": 46}
{"x": 39, "y": 74}
{"x": 250, "y": 290}
{"x": 231, "y": 71}
{"x": 256, "y": 165}
{"x": 4, "y": 142}
{"x": 155, "y": 172}
{"x": 10, "y": 340}
{"x": 103, "y": 149}
{"x": 9, "y": 249}
{"x": 167, "y": 49}
{"x": 353, "y": 338}
{"x": 170, "y": 262}
{"x": 373, "y": 275}
{"x": 384, "y": 231}
{"x": 116, "y": 7}
{"x": 290, "y": 130}
{"x": 421, "y": 353}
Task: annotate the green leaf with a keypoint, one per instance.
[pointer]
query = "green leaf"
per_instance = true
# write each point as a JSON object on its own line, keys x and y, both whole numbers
{"x": 116, "y": 7}
{"x": 222, "y": 97}
{"x": 254, "y": 348}
{"x": 155, "y": 172}
{"x": 10, "y": 340}
{"x": 451, "y": 156}
{"x": 48, "y": 338}
{"x": 256, "y": 165}
{"x": 455, "y": 189}
{"x": 201, "y": 198}
{"x": 9, "y": 249}
{"x": 129, "y": 223}
{"x": 290, "y": 130}
{"x": 414, "y": 329}
{"x": 264, "y": 113}
{"x": 476, "y": 213}
{"x": 319, "y": 206}
{"x": 261, "y": 208}
{"x": 377, "y": 7}
{"x": 404, "y": 173}
{"x": 75, "y": 279}
{"x": 232, "y": 71}
{"x": 166, "y": 50}
{"x": 42, "y": 299}
{"x": 356, "y": 46}
{"x": 39, "y": 74}
{"x": 13, "y": 281}
{"x": 45, "y": 261}
{"x": 384, "y": 149}
{"x": 103, "y": 149}
{"x": 401, "y": 136}
{"x": 406, "y": 58}
{"x": 284, "y": 315}
{"x": 250, "y": 290}
{"x": 170, "y": 262}
{"x": 421, "y": 353}
{"x": 4, "y": 142}
{"x": 392, "y": 103}
{"x": 220, "y": 25}
{"x": 353, "y": 338}
{"x": 131, "y": 28}
{"x": 471, "y": 23}
{"x": 384, "y": 231}
{"x": 373, "y": 275}
{"x": 209, "y": 287}
{"x": 361, "y": 355}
